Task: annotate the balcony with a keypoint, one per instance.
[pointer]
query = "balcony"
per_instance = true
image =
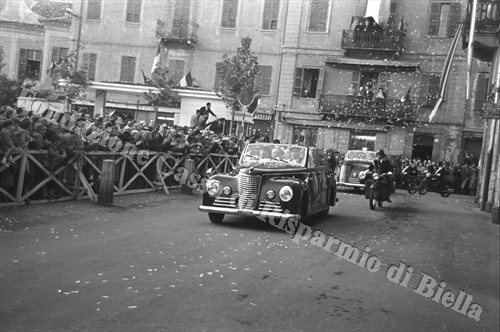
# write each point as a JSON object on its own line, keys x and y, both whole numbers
{"x": 336, "y": 106}
{"x": 373, "y": 40}
{"x": 487, "y": 16}
{"x": 184, "y": 32}
{"x": 491, "y": 111}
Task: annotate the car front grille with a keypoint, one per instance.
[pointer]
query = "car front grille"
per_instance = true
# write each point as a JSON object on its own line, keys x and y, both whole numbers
{"x": 269, "y": 206}
{"x": 248, "y": 191}
{"x": 225, "y": 202}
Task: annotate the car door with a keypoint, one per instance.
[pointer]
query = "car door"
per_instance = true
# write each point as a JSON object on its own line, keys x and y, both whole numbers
{"x": 315, "y": 179}
{"x": 325, "y": 176}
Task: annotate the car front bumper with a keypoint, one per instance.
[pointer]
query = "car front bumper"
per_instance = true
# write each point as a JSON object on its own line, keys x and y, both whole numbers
{"x": 352, "y": 185}
{"x": 245, "y": 212}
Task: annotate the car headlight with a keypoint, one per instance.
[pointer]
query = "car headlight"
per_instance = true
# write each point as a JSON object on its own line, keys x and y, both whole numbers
{"x": 227, "y": 191}
{"x": 375, "y": 176}
{"x": 362, "y": 175}
{"x": 270, "y": 194}
{"x": 286, "y": 193}
{"x": 213, "y": 187}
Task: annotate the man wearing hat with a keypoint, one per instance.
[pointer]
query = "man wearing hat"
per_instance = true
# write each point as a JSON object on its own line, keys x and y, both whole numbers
{"x": 382, "y": 165}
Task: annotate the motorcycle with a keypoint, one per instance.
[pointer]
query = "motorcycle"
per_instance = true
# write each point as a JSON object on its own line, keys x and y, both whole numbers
{"x": 411, "y": 180}
{"x": 434, "y": 182}
{"x": 376, "y": 187}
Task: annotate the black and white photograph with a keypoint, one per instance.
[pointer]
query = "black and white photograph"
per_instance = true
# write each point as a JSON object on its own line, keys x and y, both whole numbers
{"x": 249, "y": 165}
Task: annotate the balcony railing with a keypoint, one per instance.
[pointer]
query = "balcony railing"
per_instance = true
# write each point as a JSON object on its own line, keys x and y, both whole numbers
{"x": 369, "y": 40}
{"x": 185, "y": 32}
{"x": 487, "y": 16}
{"x": 491, "y": 110}
{"x": 374, "y": 108}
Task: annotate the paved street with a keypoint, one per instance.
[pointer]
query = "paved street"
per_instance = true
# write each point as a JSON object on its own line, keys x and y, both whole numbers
{"x": 154, "y": 263}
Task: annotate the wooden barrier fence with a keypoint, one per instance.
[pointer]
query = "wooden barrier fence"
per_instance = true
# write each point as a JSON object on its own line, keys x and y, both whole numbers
{"x": 35, "y": 177}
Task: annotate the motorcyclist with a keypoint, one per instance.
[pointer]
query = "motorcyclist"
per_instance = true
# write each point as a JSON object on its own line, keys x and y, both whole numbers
{"x": 382, "y": 165}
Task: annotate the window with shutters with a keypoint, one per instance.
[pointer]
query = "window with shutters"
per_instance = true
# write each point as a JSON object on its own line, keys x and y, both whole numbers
{"x": 176, "y": 70}
{"x": 263, "y": 80}
{"x": 308, "y": 82}
{"x": 127, "y": 72}
{"x": 429, "y": 89}
{"x": 229, "y": 12}
{"x": 180, "y": 27}
{"x": 133, "y": 11}
{"x": 29, "y": 64}
{"x": 89, "y": 64}
{"x": 58, "y": 54}
{"x": 318, "y": 15}
{"x": 481, "y": 91}
{"x": 444, "y": 18}
{"x": 219, "y": 74}
{"x": 271, "y": 11}
{"x": 94, "y": 10}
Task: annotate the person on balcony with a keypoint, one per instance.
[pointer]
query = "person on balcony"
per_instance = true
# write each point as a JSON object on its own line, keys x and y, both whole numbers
{"x": 351, "y": 91}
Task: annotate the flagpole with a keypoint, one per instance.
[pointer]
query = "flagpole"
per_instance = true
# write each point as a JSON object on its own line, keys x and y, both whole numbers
{"x": 470, "y": 48}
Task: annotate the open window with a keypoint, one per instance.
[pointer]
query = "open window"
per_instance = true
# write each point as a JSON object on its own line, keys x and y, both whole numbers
{"x": 308, "y": 82}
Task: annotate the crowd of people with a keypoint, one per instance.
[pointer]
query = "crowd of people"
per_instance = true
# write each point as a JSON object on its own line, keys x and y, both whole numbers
{"x": 23, "y": 131}
{"x": 461, "y": 177}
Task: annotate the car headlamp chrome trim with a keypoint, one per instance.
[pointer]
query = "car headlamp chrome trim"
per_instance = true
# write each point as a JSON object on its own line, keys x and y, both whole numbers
{"x": 213, "y": 187}
{"x": 286, "y": 193}
{"x": 270, "y": 194}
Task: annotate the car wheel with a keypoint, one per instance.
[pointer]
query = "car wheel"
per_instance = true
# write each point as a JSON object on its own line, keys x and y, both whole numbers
{"x": 216, "y": 218}
{"x": 379, "y": 203}
{"x": 324, "y": 213}
{"x": 371, "y": 199}
{"x": 303, "y": 212}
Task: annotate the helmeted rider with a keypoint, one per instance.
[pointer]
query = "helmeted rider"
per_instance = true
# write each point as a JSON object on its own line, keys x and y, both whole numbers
{"x": 382, "y": 165}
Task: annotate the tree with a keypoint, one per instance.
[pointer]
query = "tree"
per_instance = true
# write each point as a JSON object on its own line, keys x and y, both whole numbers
{"x": 67, "y": 80}
{"x": 236, "y": 73}
{"x": 9, "y": 89}
{"x": 162, "y": 95}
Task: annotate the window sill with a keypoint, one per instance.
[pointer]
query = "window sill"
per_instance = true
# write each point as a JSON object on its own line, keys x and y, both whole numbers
{"x": 269, "y": 30}
{"x": 227, "y": 29}
{"x": 133, "y": 23}
{"x": 93, "y": 21}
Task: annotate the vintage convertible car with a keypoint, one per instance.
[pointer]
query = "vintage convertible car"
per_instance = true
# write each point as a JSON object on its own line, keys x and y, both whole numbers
{"x": 273, "y": 180}
{"x": 354, "y": 162}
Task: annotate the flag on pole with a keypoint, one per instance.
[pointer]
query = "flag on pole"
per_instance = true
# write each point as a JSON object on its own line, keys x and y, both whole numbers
{"x": 156, "y": 60}
{"x": 446, "y": 71}
{"x": 187, "y": 80}
{"x": 406, "y": 96}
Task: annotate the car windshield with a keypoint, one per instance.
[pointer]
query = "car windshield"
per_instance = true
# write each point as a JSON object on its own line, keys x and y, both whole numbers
{"x": 268, "y": 155}
{"x": 360, "y": 155}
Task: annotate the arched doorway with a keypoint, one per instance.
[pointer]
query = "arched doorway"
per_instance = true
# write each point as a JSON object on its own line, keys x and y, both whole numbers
{"x": 422, "y": 147}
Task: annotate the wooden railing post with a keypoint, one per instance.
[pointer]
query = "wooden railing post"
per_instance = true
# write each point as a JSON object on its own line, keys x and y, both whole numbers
{"x": 190, "y": 167}
{"x": 106, "y": 185}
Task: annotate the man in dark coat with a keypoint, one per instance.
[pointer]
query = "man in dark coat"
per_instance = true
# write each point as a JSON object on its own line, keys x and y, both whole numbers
{"x": 382, "y": 165}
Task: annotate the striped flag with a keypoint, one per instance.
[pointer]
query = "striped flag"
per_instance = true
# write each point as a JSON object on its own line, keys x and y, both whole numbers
{"x": 446, "y": 71}
{"x": 406, "y": 97}
{"x": 187, "y": 80}
{"x": 156, "y": 61}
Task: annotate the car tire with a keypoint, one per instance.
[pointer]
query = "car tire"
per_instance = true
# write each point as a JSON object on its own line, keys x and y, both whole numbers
{"x": 303, "y": 212}
{"x": 371, "y": 199}
{"x": 216, "y": 218}
{"x": 324, "y": 213}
